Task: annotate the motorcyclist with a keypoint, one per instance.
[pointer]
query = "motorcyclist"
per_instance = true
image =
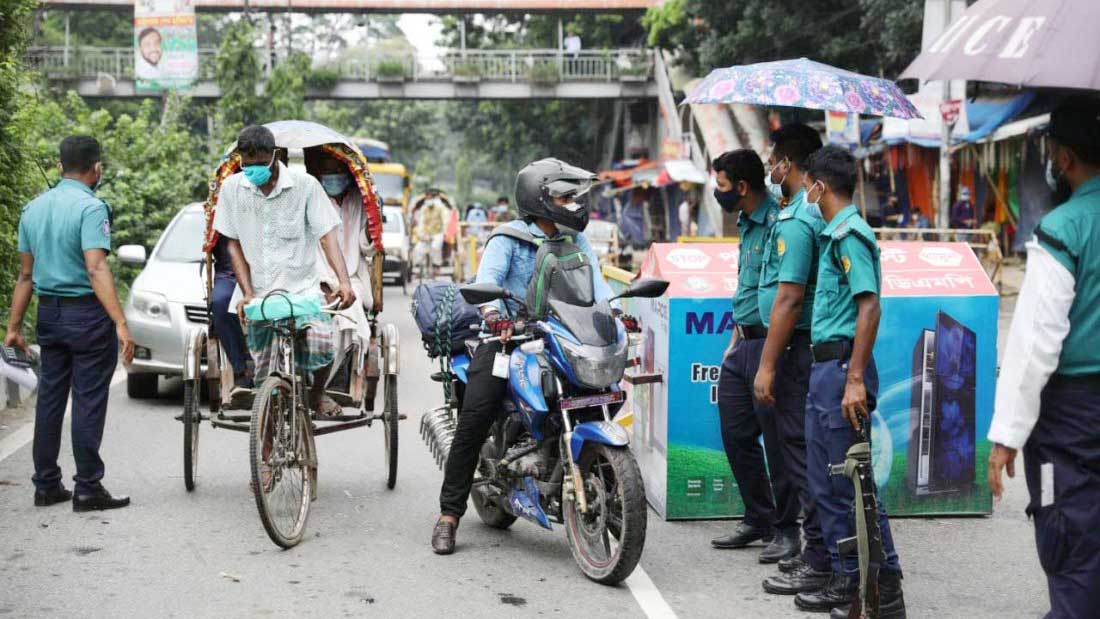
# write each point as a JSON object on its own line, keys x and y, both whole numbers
{"x": 551, "y": 197}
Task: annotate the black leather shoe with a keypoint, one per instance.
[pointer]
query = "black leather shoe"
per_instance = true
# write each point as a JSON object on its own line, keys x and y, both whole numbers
{"x": 891, "y": 601}
{"x": 787, "y": 566}
{"x": 99, "y": 500}
{"x": 784, "y": 546}
{"x": 443, "y": 537}
{"x": 45, "y": 498}
{"x": 803, "y": 579}
{"x": 743, "y": 536}
{"x": 839, "y": 591}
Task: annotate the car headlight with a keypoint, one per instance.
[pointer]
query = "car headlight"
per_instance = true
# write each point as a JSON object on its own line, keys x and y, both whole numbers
{"x": 150, "y": 305}
{"x": 596, "y": 367}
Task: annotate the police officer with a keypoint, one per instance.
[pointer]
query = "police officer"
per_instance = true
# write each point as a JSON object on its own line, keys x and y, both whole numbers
{"x": 743, "y": 420}
{"x": 786, "y": 302}
{"x": 843, "y": 378}
{"x": 1048, "y": 392}
{"x": 64, "y": 237}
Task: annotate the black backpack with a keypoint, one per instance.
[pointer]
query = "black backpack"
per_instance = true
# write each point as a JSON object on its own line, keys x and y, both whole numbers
{"x": 443, "y": 317}
{"x": 562, "y": 271}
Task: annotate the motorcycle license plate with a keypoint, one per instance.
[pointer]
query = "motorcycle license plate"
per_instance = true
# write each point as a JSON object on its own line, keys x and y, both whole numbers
{"x": 587, "y": 401}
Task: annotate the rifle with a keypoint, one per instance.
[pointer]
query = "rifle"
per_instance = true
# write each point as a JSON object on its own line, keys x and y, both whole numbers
{"x": 868, "y": 539}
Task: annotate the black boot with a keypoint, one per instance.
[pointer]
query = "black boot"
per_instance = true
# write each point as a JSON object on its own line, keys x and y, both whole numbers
{"x": 743, "y": 536}
{"x": 803, "y": 579}
{"x": 787, "y": 566}
{"x": 840, "y": 591}
{"x": 891, "y": 601}
{"x": 784, "y": 546}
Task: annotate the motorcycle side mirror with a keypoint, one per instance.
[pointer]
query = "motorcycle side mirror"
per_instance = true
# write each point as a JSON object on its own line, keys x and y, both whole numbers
{"x": 646, "y": 288}
{"x": 477, "y": 294}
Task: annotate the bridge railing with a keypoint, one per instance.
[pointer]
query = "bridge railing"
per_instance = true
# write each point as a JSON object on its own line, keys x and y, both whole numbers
{"x": 536, "y": 66}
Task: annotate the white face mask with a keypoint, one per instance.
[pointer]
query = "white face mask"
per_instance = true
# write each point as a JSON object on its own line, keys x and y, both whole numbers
{"x": 814, "y": 208}
{"x": 775, "y": 188}
{"x": 1052, "y": 180}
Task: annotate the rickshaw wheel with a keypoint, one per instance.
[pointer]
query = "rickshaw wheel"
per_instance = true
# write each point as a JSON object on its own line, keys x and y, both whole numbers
{"x": 192, "y": 421}
{"x": 390, "y": 417}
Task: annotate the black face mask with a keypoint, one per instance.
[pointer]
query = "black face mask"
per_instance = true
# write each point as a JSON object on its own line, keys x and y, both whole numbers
{"x": 728, "y": 200}
{"x": 1062, "y": 191}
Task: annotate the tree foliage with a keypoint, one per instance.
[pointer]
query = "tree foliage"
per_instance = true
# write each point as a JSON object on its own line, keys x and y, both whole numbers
{"x": 237, "y": 72}
{"x": 878, "y": 37}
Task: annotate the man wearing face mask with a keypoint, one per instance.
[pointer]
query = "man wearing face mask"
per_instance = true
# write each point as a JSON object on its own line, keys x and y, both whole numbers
{"x": 64, "y": 239}
{"x": 273, "y": 217}
{"x": 553, "y": 200}
{"x": 1048, "y": 392}
{"x": 771, "y": 508}
{"x": 787, "y": 281}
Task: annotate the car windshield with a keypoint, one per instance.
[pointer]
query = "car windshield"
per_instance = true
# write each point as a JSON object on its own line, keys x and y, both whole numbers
{"x": 393, "y": 220}
{"x": 182, "y": 242}
{"x": 390, "y": 186}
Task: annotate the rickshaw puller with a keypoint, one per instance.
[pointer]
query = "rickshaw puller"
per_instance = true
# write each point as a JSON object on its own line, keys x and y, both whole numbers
{"x": 273, "y": 217}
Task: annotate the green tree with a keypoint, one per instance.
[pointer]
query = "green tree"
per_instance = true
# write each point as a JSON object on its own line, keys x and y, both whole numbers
{"x": 285, "y": 89}
{"x": 237, "y": 72}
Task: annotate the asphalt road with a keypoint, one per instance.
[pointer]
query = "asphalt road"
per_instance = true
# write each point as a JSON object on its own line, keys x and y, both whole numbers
{"x": 367, "y": 553}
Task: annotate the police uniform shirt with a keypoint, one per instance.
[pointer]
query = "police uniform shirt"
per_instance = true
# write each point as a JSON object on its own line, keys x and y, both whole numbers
{"x": 790, "y": 256}
{"x": 755, "y": 229}
{"x": 1055, "y": 322}
{"x": 848, "y": 266}
{"x": 56, "y": 228}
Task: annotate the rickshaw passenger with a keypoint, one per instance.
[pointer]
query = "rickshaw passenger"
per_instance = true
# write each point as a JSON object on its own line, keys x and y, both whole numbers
{"x": 227, "y": 327}
{"x": 273, "y": 217}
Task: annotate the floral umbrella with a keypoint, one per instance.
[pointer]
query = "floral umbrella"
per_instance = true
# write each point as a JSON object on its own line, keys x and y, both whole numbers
{"x": 806, "y": 84}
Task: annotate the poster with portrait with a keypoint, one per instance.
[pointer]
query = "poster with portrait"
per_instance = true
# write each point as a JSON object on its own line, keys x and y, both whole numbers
{"x": 166, "y": 54}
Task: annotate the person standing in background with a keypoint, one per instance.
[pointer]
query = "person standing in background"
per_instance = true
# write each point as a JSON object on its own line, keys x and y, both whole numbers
{"x": 962, "y": 212}
{"x": 771, "y": 506}
{"x": 1048, "y": 391}
{"x": 64, "y": 238}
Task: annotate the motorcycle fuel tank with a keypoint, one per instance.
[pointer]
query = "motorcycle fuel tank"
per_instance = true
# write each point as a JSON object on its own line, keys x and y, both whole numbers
{"x": 525, "y": 387}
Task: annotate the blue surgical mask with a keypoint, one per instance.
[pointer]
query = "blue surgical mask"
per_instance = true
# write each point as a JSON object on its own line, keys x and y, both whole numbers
{"x": 335, "y": 184}
{"x": 813, "y": 208}
{"x": 258, "y": 174}
{"x": 1052, "y": 180}
{"x": 775, "y": 188}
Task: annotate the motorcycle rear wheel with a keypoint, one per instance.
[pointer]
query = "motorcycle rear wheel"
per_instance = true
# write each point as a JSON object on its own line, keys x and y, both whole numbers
{"x": 491, "y": 514}
{"x": 607, "y": 541}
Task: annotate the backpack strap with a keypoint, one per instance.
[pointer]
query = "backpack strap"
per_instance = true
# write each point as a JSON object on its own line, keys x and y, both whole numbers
{"x": 517, "y": 234}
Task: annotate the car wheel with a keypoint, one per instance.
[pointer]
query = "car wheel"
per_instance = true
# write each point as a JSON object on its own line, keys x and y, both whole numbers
{"x": 141, "y": 386}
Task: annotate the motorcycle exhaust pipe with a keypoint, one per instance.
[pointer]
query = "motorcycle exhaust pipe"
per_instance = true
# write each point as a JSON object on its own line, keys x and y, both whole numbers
{"x": 437, "y": 429}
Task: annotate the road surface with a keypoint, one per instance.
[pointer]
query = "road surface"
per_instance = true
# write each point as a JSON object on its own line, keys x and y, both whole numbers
{"x": 205, "y": 554}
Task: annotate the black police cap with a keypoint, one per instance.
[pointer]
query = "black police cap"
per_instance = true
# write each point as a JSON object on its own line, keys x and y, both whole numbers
{"x": 1076, "y": 122}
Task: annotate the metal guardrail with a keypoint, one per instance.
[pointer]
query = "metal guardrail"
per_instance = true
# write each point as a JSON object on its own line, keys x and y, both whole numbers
{"x": 536, "y": 66}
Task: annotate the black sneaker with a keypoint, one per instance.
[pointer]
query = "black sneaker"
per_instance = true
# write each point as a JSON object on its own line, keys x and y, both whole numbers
{"x": 891, "y": 601}
{"x": 53, "y": 496}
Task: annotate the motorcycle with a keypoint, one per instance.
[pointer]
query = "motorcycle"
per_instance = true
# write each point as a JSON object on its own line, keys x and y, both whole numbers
{"x": 556, "y": 455}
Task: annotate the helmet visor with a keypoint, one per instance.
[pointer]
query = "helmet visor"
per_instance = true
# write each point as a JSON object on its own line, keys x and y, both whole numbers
{"x": 568, "y": 188}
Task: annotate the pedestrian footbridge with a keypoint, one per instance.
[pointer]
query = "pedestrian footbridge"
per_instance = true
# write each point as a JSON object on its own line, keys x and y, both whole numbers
{"x": 469, "y": 74}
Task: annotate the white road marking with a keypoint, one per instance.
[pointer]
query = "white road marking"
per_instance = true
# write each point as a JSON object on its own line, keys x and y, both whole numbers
{"x": 16, "y": 440}
{"x": 648, "y": 596}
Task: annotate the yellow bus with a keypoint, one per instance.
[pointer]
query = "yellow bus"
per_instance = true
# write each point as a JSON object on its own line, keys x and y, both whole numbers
{"x": 391, "y": 179}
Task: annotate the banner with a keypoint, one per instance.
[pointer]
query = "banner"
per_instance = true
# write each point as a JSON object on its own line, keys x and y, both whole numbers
{"x": 166, "y": 49}
{"x": 842, "y": 128}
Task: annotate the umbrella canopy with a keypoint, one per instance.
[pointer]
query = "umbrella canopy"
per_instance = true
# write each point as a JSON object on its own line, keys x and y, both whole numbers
{"x": 303, "y": 134}
{"x": 806, "y": 84}
{"x": 1039, "y": 43}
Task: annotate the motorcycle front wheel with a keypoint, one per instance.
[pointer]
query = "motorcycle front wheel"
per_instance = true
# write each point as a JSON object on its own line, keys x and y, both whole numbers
{"x": 607, "y": 540}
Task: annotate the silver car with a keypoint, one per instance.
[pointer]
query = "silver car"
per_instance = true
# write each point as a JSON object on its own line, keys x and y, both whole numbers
{"x": 166, "y": 302}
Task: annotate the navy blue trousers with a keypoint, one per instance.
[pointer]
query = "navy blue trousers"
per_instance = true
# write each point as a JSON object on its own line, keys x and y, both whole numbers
{"x": 792, "y": 383}
{"x": 79, "y": 354}
{"x": 1067, "y": 530}
{"x": 768, "y": 504}
{"x": 828, "y": 437}
{"x": 226, "y": 326}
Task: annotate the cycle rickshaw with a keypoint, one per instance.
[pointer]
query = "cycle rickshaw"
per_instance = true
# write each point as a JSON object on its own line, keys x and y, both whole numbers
{"x": 280, "y": 424}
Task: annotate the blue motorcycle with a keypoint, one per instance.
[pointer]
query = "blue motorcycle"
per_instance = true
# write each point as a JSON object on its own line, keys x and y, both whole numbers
{"x": 555, "y": 454}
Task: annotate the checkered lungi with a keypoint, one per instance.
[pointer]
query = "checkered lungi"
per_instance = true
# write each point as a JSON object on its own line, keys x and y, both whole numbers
{"x": 318, "y": 350}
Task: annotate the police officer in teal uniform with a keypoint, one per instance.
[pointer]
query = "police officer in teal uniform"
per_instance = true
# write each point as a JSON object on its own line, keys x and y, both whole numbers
{"x": 64, "y": 239}
{"x": 1048, "y": 391}
{"x": 786, "y": 302}
{"x": 843, "y": 378}
{"x": 771, "y": 508}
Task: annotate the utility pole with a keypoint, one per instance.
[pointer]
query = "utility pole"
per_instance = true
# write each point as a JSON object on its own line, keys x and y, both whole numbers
{"x": 942, "y": 220}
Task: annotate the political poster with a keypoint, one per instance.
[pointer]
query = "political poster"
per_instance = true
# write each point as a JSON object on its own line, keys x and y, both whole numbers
{"x": 166, "y": 53}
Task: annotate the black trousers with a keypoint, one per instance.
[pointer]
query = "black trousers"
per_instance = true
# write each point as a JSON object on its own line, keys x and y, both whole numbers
{"x": 743, "y": 421}
{"x": 792, "y": 383}
{"x": 79, "y": 354}
{"x": 481, "y": 405}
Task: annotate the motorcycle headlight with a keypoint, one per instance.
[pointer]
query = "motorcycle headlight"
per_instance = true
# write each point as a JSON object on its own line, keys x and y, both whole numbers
{"x": 596, "y": 367}
{"x": 150, "y": 305}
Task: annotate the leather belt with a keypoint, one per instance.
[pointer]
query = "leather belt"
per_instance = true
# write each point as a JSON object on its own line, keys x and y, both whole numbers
{"x": 56, "y": 301}
{"x": 828, "y": 351}
{"x": 800, "y": 339}
{"x": 1085, "y": 382}
{"x": 752, "y": 332}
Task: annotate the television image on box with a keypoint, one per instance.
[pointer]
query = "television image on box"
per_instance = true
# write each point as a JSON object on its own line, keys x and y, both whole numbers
{"x": 941, "y": 422}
